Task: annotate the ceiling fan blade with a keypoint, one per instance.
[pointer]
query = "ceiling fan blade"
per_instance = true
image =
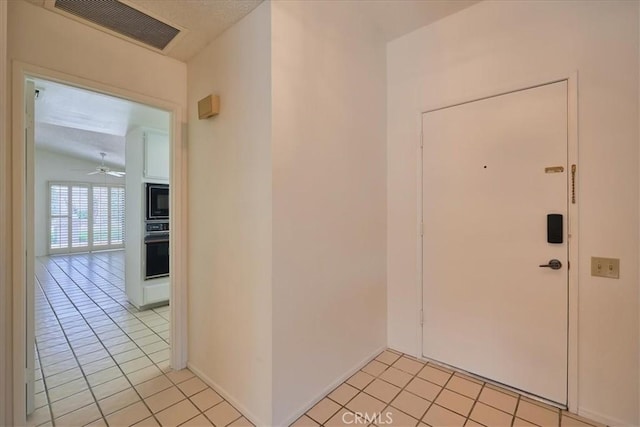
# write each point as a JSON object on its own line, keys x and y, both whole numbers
{"x": 93, "y": 173}
{"x": 116, "y": 174}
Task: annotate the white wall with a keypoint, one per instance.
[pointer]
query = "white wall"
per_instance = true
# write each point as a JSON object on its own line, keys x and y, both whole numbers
{"x": 494, "y": 45}
{"x": 230, "y": 216}
{"x": 329, "y": 198}
{"x": 50, "y": 166}
{"x": 40, "y": 37}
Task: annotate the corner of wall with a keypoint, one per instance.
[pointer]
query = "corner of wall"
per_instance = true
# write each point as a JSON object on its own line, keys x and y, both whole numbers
{"x": 6, "y": 389}
{"x": 230, "y": 232}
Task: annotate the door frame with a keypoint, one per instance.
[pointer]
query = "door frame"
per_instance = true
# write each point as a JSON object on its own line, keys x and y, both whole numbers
{"x": 6, "y": 408}
{"x": 178, "y": 178}
{"x": 572, "y": 216}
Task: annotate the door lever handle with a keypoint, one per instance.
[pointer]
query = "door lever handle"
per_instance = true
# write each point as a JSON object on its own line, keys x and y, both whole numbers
{"x": 554, "y": 264}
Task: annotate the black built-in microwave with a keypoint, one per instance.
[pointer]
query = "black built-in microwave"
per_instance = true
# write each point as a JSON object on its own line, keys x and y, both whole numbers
{"x": 157, "y": 201}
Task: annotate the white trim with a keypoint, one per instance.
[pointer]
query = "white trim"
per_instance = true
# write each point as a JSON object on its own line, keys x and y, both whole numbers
{"x": 29, "y": 234}
{"x": 178, "y": 219}
{"x": 419, "y": 231}
{"x": 178, "y": 260}
{"x": 574, "y": 230}
{"x": 6, "y": 397}
{"x": 228, "y": 397}
{"x": 572, "y": 158}
{"x": 297, "y": 414}
{"x": 18, "y": 155}
{"x": 328, "y": 389}
{"x": 598, "y": 417}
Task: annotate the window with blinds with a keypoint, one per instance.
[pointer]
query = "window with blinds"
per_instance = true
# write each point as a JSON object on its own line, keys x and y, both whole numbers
{"x": 85, "y": 217}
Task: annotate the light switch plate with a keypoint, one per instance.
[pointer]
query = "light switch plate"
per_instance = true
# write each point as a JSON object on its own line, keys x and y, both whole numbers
{"x": 605, "y": 267}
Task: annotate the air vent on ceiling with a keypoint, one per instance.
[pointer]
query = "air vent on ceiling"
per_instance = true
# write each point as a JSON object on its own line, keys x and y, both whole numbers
{"x": 122, "y": 19}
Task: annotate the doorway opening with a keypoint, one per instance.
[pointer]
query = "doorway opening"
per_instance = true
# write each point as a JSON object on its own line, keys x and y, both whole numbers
{"x": 97, "y": 324}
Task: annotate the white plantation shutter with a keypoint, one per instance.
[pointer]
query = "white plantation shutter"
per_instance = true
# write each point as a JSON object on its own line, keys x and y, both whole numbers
{"x": 59, "y": 214}
{"x": 116, "y": 206}
{"x": 79, "y": 217}
{"x": 100, "y": 216}
{"x": 85, "y": 217}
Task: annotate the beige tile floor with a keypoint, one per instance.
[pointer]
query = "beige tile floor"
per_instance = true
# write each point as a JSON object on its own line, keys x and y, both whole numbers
{"x": 397, "y": 390}
{"x": 100, "y": 361}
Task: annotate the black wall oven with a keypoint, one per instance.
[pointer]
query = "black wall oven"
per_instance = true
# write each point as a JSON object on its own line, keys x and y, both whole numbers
{"x": 157, "y": 196}
{"x": 156, "y": 247}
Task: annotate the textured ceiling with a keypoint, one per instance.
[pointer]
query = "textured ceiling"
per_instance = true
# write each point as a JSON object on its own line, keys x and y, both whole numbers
{"x": 394, "y": 18}
{"x": 204, "y": 20}
{"x": 81, "y": 123}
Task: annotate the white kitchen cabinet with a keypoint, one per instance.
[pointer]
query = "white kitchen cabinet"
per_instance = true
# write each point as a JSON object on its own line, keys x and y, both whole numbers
{"x": 147, "y": 161}
{"x": 156, "y": 155}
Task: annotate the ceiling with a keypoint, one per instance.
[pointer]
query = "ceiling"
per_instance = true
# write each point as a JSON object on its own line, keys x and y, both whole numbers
{"x": 394, "y": 18}
{"x": 81, "y": 123}
{"x": 204, "y": 20}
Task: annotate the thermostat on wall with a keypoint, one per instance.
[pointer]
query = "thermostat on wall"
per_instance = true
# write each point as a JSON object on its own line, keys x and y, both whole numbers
{"x": 208, "y": 106}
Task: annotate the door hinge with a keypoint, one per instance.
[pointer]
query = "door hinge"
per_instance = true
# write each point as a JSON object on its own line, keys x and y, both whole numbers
{"x": 421, "y": 228}
{"x": 421, "y": 317}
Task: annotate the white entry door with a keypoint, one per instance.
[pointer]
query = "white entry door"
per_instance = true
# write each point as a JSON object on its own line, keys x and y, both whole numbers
{"x": 490, "y": 308}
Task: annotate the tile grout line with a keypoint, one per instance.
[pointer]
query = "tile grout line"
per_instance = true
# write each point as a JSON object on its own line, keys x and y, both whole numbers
{"x": 53, "y": 422}
{"x": 146, "y": 355}
{"x": 474, "y": 405}
{"x": 101, "y": 342}
{"x": 70, "y": 265}
{"x": 515, "y": 411}
{"x": 403, "y": 388}
{"x": 114, "y": 321}
{"x": 112, "y": 358}
{"x": 413, "y": 376}
{"x": 44, "y": 382}
{"x": 452, "y": 374}
{"x": 387, "y": 404}
{"x": 436, "y": 398}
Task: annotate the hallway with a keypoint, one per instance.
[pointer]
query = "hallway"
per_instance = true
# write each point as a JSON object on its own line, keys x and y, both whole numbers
{"x": 100, "y": 361}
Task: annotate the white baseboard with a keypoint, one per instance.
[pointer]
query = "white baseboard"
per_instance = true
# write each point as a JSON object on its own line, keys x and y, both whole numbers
{"x": 604, "y": 419}
{"x": 333, "y": 385}
{"x": 408, "y": 350}
{"x": 232, "y": 400}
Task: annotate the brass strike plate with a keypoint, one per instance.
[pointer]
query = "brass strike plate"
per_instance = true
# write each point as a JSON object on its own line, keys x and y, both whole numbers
{"x": 554, "y": 169}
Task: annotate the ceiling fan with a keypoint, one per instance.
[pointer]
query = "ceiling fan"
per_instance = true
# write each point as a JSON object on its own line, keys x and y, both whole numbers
{"x": 105, "y": 170}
